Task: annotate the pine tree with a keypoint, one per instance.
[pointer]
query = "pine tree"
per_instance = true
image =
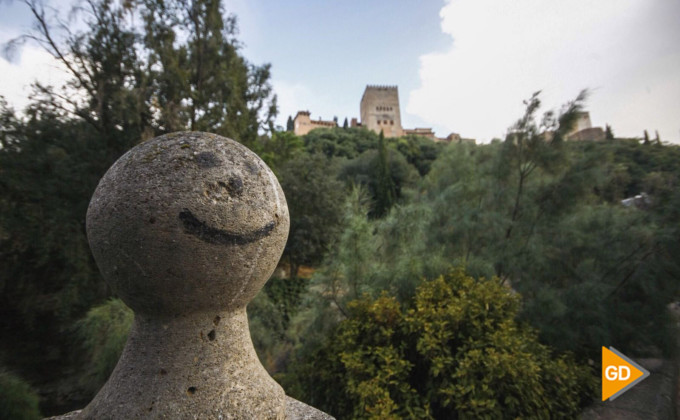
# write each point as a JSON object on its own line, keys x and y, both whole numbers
{"x": 385, "y": 190}
{"x": 205, "y": 84}
{"x": 290, "y": 125}
{"x": 608, "y": 133}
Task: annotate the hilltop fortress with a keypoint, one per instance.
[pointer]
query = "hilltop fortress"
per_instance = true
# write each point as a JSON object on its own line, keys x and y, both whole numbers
{"x": 380, "y": 112}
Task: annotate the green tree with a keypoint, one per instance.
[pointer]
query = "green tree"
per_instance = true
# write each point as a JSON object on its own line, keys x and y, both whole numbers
{"x": 349, "y": 268}
{"x": 455, "y": 351}
{"x": 589, "y": 269}
{"x": 608, "y": 133}
{"x": 19, "y": 401}
{"x": 404, "y": 253}
{"x": 107, "y": 87}
{"x": 531, "y": 146}
{"x": 205, "y": 80}
{"x": 468, "y": 221}
{"x": 385, "y": 191}
{"x": 420, "y": 152}
{"x": 278, "y": 149}
{"x": 335, "y": 142}
{"x": 290, "y": 125}
{"x": 315, "y": 201}
{"x": 386, "y": 183}
{"x": 269, "y": 318}
{"x": 104, "y": 331}
{"x": 49, "y": 167}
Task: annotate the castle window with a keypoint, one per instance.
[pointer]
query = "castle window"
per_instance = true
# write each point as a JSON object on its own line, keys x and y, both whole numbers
{"x": 391, "y": 122}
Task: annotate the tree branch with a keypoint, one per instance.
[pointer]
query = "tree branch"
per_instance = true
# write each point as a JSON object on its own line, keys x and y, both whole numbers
{"x": 53, "y": 49}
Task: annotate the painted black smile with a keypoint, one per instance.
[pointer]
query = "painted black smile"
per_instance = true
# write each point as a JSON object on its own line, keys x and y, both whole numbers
{"x": 198, "y": 228}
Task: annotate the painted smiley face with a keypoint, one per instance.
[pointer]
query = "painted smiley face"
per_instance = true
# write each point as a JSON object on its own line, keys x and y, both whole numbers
{"x": 201, "y": 230}
{"x": 188, "y": 221}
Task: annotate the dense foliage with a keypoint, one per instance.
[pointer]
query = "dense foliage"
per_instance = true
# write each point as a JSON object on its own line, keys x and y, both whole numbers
{"x": 18, "y": 400}
{"x": 454, "y": 351}
{"x": 541, "y": 216}
{"x": 364, "y": 303}
{"x": 104, "y": 331}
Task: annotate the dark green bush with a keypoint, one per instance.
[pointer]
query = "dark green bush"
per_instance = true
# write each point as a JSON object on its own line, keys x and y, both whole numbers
{"x": 456, "y": 351}
{"x": 18, "y": 401}
{"x": 104, "y": 331}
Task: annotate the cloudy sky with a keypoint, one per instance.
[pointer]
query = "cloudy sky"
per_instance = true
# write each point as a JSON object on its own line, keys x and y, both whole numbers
{"x": 461, "y": 65}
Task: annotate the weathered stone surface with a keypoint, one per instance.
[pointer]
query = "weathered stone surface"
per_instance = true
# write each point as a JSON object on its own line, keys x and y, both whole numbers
{"x": 68, "y": 416}
{"x": 187, "y": 222}
{"x": 296, "y": 410}
{"x": 186, "y": 228}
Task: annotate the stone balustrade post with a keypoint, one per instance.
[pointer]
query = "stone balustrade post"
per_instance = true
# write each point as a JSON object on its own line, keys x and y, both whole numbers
{"x": 186, "y": 228}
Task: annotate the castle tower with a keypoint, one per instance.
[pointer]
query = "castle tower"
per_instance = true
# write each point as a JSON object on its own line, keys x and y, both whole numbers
{"x": 380, "y": 110}
{"x": 583, "y": 129}
{"x": 582, "y": 121}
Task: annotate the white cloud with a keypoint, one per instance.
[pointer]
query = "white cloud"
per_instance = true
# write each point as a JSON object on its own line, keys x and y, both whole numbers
{"x": 291, "y": 98}
{"x": 32, "y": 63}
{"x": 625, "y": 51}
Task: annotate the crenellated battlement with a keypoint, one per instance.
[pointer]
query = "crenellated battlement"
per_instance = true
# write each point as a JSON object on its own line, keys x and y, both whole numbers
{"x": 382, "y": 87}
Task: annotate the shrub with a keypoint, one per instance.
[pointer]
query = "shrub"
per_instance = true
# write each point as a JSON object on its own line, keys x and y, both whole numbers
{"x": 104, "y": 331}
{"x": 456, "y": 351}
{"x": 18, "y": 401}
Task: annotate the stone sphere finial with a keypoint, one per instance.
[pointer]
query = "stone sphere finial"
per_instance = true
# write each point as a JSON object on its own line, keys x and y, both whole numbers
{"x": 186, "y": 228}
{"x": 187, "y": 222}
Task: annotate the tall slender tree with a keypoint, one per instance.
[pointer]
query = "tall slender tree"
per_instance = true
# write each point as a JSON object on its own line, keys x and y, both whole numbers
{"x": 530, "y": 146}
{"x": 205, "y": 84}
{"x": 385, "y": 191}
{"x": 608, "y": 133}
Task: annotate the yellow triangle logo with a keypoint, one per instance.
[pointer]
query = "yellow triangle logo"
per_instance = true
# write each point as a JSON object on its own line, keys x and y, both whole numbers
{"x": 619, "y": 373}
